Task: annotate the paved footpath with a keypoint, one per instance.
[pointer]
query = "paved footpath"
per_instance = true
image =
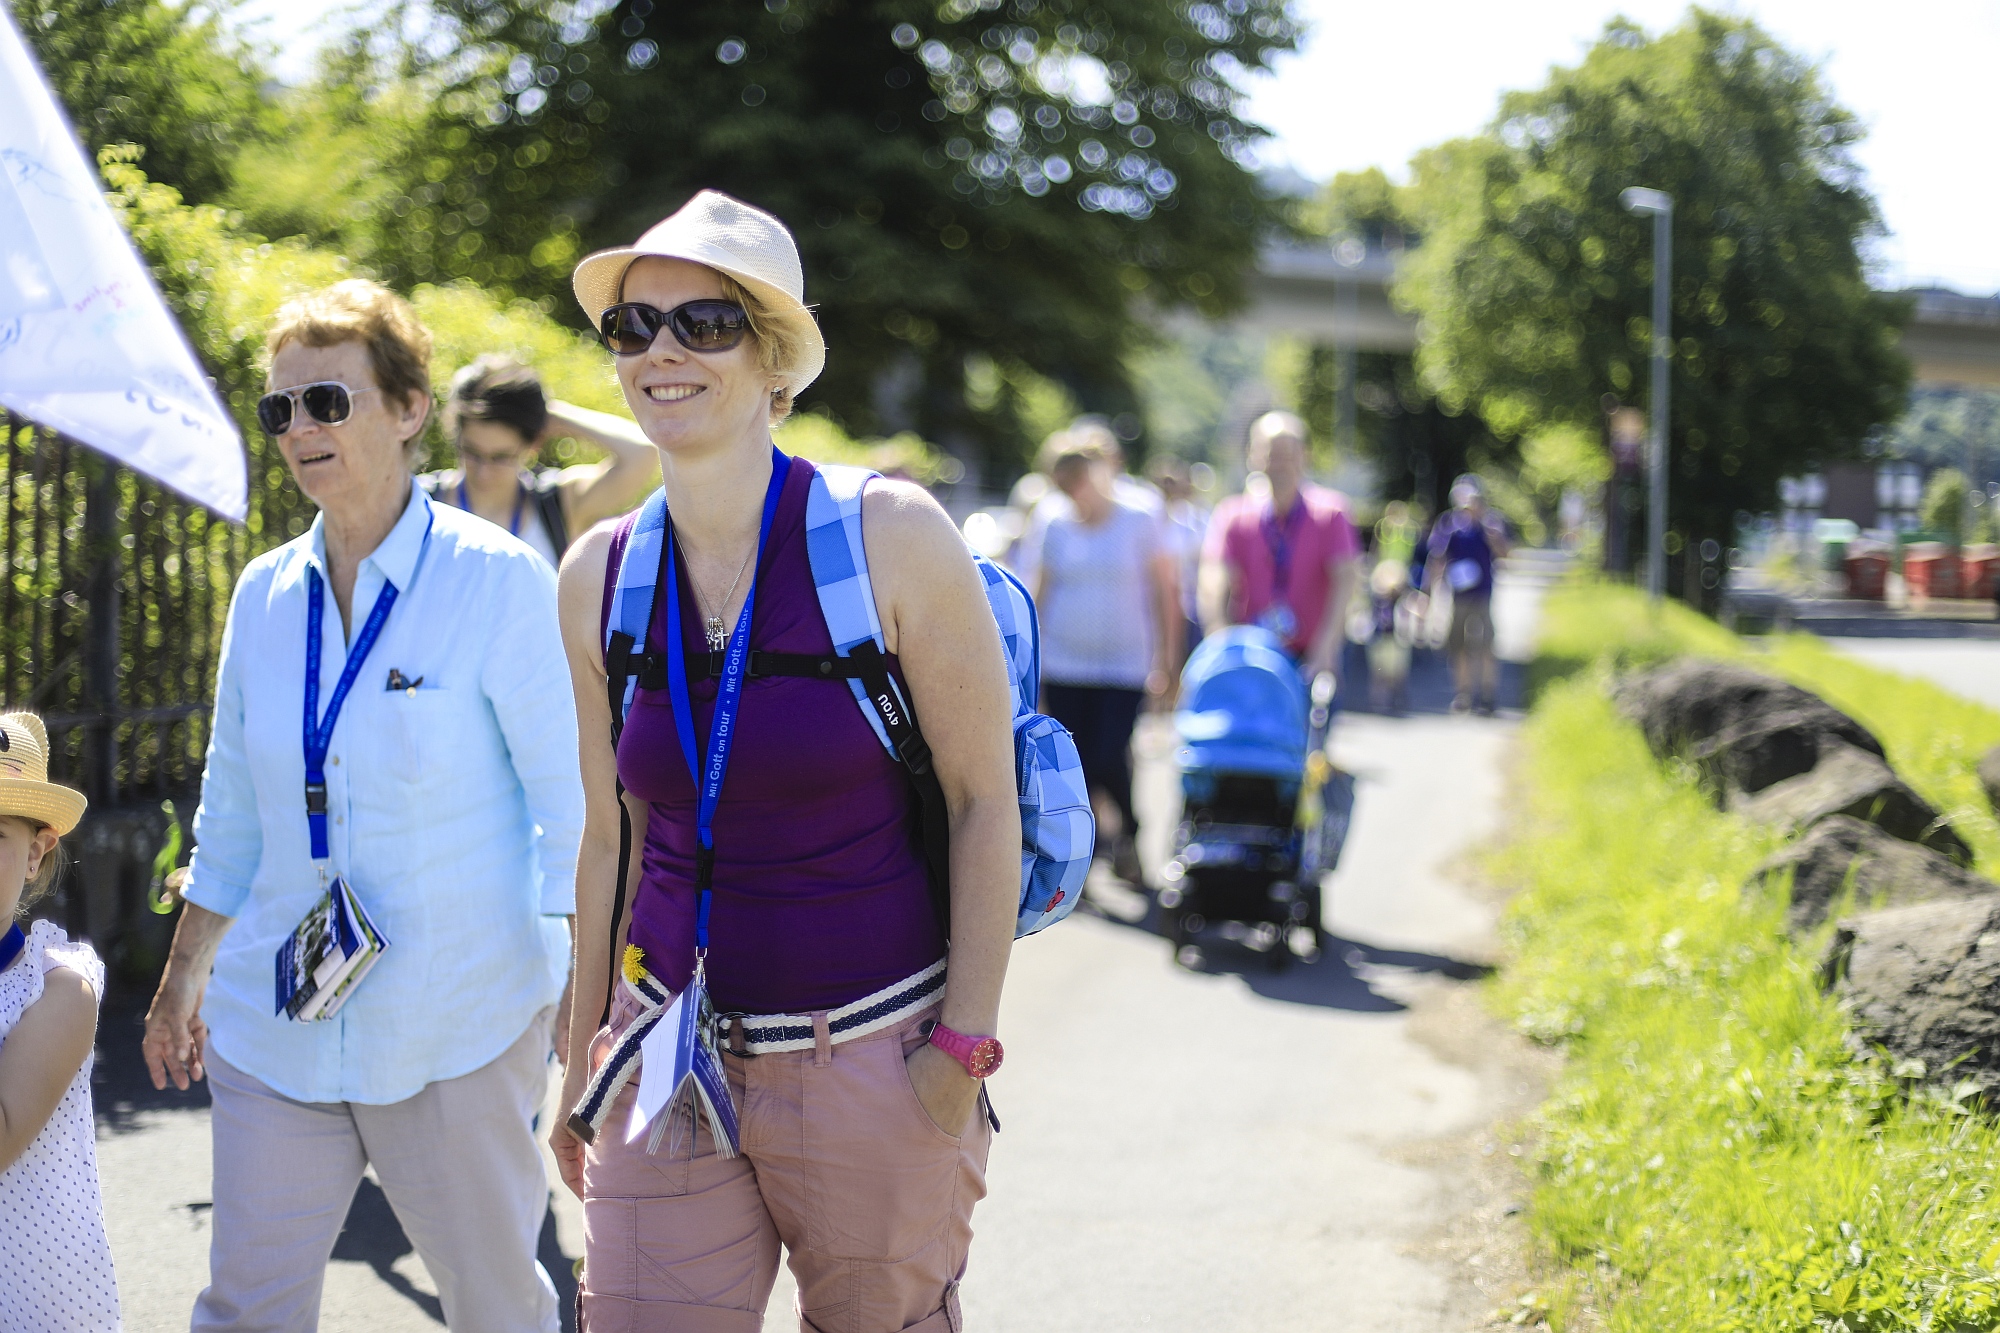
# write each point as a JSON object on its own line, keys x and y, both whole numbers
{"x": 1970, "y": 667}
{"x": 1184, "y": 1150}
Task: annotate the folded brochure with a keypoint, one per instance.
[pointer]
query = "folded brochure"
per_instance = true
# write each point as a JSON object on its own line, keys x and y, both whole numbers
{"x": 681, "y": 1079}
{"x": 326, "y": 955}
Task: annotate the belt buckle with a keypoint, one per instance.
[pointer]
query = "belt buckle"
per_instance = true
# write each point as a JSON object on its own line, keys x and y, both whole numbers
{"x": 730, "y": 1034}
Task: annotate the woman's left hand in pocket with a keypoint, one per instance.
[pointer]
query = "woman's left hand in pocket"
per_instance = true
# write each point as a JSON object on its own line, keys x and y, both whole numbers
{"x": 943, "y": 1088}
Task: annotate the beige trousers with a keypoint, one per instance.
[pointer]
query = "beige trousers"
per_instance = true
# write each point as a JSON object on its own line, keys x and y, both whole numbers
{"x": 458, "y": 1162}
{"x": 840, "y": 1163}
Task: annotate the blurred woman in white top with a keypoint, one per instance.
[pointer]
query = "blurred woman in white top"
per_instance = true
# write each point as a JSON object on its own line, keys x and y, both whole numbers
{"x": 1104, "y": 583}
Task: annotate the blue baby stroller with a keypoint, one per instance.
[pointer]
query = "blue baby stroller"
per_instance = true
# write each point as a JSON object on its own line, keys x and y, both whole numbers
{"x": 1264, "y": 812}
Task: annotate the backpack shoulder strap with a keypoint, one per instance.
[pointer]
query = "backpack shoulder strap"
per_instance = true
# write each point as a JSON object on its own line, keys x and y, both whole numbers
{"x": 632, "y": 593}
{"x": 547, "y": 496}
{"x": 839, "y": 560}
{"x": 638, "y": 555}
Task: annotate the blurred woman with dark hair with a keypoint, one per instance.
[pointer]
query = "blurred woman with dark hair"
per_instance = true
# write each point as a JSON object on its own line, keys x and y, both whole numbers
{"x": 498, "y": 418}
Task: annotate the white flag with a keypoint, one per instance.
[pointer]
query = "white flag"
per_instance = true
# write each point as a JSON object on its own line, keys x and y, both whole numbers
{"x": 87, "y": 345}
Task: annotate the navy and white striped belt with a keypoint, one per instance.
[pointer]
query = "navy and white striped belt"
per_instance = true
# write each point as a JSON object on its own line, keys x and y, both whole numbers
{"x": 768, "y": 1034}
{"x": 748, "y": 1034}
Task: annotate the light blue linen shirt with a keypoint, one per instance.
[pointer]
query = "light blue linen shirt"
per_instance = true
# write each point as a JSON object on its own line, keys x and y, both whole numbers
{"x": 454, "y": 810}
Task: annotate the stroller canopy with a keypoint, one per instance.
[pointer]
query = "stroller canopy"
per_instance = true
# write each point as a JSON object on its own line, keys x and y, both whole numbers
{"x": 1243, "y": 706}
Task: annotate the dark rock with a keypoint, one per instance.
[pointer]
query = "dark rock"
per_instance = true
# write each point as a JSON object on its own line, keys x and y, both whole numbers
{"x": 1847, "y": 781}
{"x": 1746, "y": 730}
{"x": 1989, "y": 776}
{"x": 1924, "y": 982}
{"x": 1761, "y": 751}
{"x": 1840, "y": 853}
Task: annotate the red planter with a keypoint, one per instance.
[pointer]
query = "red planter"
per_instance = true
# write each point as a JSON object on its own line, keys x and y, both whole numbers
{"x": 1929, "y": 570}
{"x": 1867, "y": 575}
{"x": 1979, "y": 572}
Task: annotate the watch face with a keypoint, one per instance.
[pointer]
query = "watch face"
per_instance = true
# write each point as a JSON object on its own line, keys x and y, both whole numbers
{"x": 984, "y": 1057}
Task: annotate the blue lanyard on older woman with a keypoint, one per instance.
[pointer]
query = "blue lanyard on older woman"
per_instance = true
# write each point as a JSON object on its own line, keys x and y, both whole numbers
{"x": 319, "y": 730}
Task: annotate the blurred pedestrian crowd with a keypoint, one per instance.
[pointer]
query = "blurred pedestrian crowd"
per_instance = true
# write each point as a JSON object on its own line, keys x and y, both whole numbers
{"x": 1131, "y": 572}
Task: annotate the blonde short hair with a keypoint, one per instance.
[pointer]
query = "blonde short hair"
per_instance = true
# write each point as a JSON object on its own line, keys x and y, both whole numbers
{"x": 358, "y": 310}
{"x": 778, "y": 344}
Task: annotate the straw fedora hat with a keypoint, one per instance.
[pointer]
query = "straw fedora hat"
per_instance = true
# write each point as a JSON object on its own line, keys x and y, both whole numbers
{"x": 731, "y": 237}
{"x": 25, "y": 789}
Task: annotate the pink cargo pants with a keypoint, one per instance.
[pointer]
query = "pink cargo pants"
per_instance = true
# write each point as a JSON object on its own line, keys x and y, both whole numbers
{"x": 840, "y": 1163}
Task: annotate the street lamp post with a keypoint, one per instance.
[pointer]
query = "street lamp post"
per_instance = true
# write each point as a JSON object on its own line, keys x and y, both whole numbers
{"x": 1348, "y": 253}
{"x": 1658, "y": 205}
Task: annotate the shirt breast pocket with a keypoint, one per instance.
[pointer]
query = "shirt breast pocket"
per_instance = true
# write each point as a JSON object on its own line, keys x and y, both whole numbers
{"x": 426, "y": 721}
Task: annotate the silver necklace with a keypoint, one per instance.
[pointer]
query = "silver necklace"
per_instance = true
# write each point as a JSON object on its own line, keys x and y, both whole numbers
{"x": 712, "y": 623}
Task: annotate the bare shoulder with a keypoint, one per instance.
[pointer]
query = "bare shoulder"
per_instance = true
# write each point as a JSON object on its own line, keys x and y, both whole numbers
{"x": 905, "y": 527}
{"x": 584, "y": 563}
{"x": 580, "y": 589}
{"x": 68, "y": 1003}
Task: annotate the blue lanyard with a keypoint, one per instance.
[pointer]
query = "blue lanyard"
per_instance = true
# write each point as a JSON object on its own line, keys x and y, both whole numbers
{"x": 708, "y": 774}
{"x": 11, "y": 945}
{"x": 319, "y": 731}
{"x": 1279, "y": 537}
{"x": 520, "y": 503}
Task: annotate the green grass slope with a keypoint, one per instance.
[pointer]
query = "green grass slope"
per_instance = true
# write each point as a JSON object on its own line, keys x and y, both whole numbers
{"x": 1715, "y": 1156}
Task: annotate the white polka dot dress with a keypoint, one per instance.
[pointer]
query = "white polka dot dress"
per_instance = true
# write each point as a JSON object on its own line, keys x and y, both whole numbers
{"x": 55, "y": 1263}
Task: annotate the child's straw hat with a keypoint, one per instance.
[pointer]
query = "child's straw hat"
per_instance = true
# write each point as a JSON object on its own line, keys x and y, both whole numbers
{"x": 25, "y": 789}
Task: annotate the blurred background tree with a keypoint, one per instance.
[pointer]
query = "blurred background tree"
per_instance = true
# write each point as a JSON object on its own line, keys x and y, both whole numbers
{"x": 1415, "y": 444}
{"x": 1533, "y": 283}
{"x": 1013, "y": 190}
{"x": 169, "y": 78}
{"x": 1943, "y": 511}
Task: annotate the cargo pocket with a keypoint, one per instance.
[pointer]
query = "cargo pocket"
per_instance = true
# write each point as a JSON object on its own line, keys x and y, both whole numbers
{"x": 884, "y": 1176}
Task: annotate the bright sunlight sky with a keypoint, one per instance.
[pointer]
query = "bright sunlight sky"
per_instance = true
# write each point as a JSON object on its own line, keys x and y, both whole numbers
{"x": 1376, "y": 82}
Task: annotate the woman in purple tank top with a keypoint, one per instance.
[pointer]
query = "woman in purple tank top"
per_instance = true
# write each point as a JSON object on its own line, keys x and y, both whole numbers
{"x": 852, "y": 1034}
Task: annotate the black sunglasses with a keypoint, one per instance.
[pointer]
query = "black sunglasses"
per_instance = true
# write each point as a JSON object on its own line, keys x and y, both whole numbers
{"x": 629, "y": 328}
{"x": 328, "y": 402}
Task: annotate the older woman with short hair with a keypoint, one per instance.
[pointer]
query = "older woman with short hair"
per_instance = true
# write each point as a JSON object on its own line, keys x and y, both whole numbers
{"x": 791, "y": 891}
{"x": 433, "y": 780}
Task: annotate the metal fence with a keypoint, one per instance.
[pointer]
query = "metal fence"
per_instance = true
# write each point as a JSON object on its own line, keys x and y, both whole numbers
{"x": 114, "y": 592}
{"x": 113, "y": 596}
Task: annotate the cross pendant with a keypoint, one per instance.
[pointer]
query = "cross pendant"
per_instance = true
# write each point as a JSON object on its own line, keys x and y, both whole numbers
{"x": 718, "y": 634}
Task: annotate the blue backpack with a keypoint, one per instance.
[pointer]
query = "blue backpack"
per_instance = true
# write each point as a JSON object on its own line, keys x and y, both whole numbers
{"x": 1058, "y": 831}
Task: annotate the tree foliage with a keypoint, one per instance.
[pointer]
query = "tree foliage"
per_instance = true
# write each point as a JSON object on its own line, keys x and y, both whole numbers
{"x": 1021, "y": 180}
{"x": 167, "y": 77}
{"x": 1416, "y": 445}
{"x": 1364, "y": 205}
{"x": 1534, "y": 284}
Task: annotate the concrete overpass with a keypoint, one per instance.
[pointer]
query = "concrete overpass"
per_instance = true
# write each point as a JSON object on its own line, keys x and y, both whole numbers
{"x": 1952, "y": 340}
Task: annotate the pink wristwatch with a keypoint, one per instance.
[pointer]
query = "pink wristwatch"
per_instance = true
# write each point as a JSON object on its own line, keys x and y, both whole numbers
{"x": 981, "y": 1056}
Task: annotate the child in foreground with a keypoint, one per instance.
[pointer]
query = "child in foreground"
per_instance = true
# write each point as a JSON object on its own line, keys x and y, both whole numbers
{"x": 55, "y": 1263}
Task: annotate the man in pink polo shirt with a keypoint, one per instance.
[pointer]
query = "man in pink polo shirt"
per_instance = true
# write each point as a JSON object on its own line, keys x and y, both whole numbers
{"x": 1283, "y": 554}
